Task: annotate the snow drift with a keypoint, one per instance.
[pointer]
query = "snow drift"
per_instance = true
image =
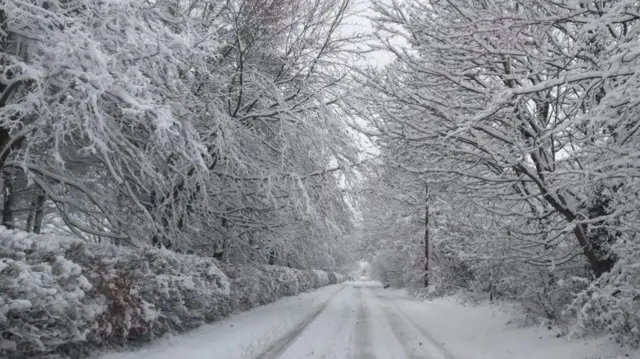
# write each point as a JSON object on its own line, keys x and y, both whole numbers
{"x": 64, "y": 298}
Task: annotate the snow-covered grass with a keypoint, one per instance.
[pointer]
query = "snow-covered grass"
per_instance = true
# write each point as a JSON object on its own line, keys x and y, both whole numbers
{"x": 484, "y": 331}
{"x": 64, "y": 298}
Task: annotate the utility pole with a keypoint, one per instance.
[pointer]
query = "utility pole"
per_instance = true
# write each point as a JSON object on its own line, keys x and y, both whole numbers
{"x": 426, "y": 238}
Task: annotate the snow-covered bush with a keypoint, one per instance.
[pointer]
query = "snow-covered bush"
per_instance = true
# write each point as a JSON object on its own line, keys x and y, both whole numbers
{"x": 285, "y": 280}
{"x": 186, "y": 290}
{"x": 62, "y": 297}
{"x": 333, "y": 277}
{"x": 611, "y": 304}
{"x": 545, "y": 293}
{"x": 44, "y": 302}
{"x": 320, "y": 278}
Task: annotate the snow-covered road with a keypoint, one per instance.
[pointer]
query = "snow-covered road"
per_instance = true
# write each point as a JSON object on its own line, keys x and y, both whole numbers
{"x": 361, "y": 321}
{"x": 364, "y": 321}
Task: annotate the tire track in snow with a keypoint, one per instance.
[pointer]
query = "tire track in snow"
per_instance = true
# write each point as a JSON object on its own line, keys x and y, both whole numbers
{"x": 400, "y": 330}
{"x": 281, "y": 345}
{"x": 403, "y": 334}
{"x": 362, "y": 344}
{"x": 444, "y": 352}
{"x": 404, "y": 325}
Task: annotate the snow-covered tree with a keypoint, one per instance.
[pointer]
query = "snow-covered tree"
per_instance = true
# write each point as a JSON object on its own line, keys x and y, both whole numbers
{"x": 528, "y": 112}
{"x": 197, "y": 125}
{"x": 524, "y": 104}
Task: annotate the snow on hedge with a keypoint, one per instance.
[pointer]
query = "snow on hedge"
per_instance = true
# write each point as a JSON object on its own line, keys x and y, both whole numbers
{"x": 612, "y": 303}
{"x": 64, "y": 298}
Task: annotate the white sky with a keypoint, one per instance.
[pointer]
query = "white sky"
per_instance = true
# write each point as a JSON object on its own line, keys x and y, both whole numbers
{"x": 360, "y": 23}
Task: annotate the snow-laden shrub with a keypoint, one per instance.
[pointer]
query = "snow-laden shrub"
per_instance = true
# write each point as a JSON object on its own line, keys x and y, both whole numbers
{"x": 255, "y": 285}
{"x": 128, "y": 317}
{"x": 306, "y": 280}
{"x": 44, "y": 302}
{"x": 186, "y": 290}
{"x": 248, "y": 286}
{"x": 63, "y": 298}
{"x": 332, "y": 277}
{"x": 545, "y": 293}
{"x": 335, "y": 278}
{"x": 286, "y": 280}
{"x": 321, "y": 278}
{"x": 611, "y": 304}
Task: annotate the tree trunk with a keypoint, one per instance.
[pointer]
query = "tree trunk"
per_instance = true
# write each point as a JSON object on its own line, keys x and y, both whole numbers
{"x": 9, "y": 200}
{"x": 39, "y": 212}
{"x": 490, "y": 283}
{"x": 272, "y": 257}
{"x": 598, "y": 265}
{"x": 32, "y": 211}
{"x": 7, "y": 91}
{"x": 220, "y": 251}
{"x": 601, "y": 235}
{"x": 426, "y": 238}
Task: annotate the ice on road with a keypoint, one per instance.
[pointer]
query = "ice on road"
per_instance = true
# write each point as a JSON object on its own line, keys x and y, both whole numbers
{"x": 361, "y": 320}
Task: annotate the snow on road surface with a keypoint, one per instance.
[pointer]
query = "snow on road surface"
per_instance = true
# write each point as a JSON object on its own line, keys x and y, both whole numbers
{"x": 362, "y": 320}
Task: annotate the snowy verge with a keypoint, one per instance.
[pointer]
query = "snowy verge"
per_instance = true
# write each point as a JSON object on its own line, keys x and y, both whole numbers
{"x": 483, "y": 330}
{"x": 61, "y": 297}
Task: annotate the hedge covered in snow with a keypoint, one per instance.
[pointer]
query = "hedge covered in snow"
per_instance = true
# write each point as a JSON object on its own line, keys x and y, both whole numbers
{"x": 63, "y": 298}
{"x": 612, "y": 303}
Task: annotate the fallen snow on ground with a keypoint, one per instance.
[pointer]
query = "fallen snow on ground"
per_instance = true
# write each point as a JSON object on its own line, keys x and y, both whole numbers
{"x": 489, "y": 332}
{"x": 241, "y": 336}
{"x": 361, "y": 320}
